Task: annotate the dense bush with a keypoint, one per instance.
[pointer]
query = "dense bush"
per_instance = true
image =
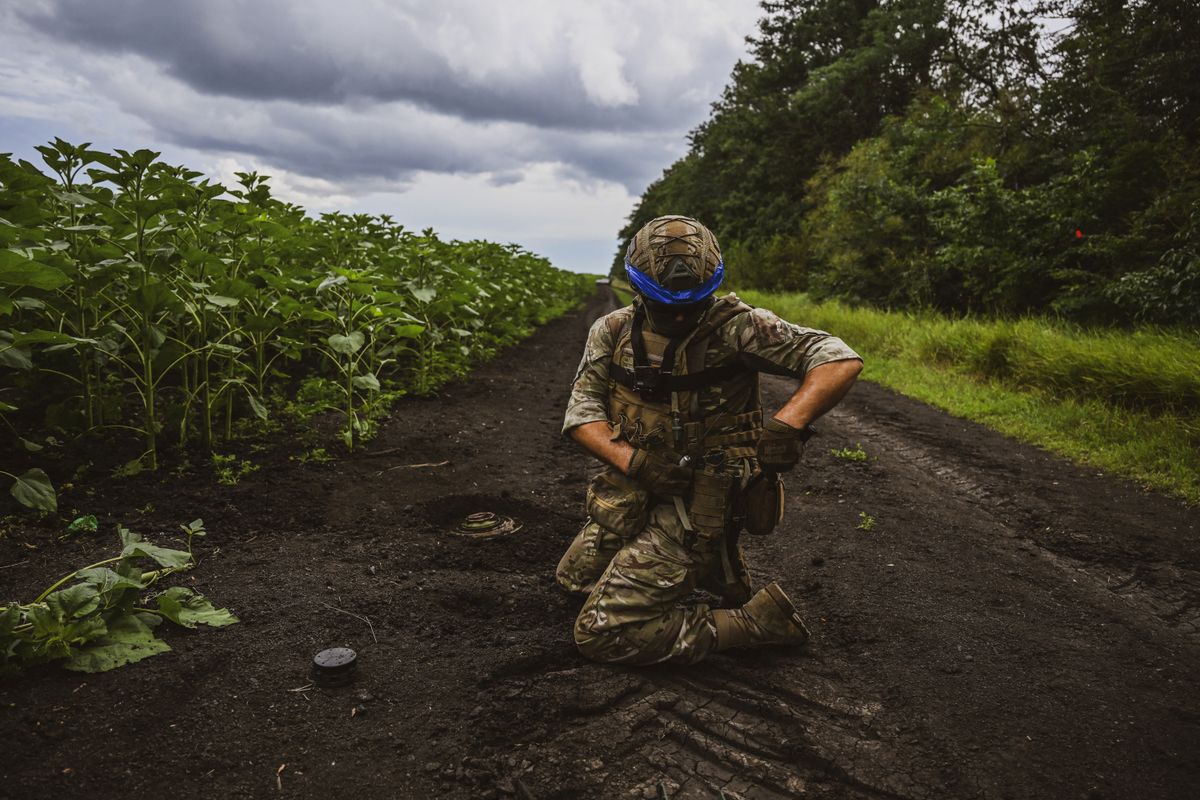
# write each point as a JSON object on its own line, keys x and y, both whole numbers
{"x": 959, "y": 155}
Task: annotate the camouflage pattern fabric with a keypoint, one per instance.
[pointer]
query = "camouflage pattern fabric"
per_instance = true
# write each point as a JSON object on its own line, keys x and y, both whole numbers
{"x": 633, "y": 613}
{"x": 636, "y": 582}
{"x": 594, "y": 547}
{"x": 761, "y": 339}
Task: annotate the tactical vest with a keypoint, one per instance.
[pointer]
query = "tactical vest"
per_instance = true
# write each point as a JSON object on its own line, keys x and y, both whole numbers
{"x": 656, "y": 387}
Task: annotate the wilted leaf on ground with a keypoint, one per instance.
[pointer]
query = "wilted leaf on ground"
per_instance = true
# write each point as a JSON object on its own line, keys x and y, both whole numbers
{"x": 165, "y": 556}
{"x": 129, "y": 639}
{"x": 74, "y": 601}
{"x": 184, "y": 607}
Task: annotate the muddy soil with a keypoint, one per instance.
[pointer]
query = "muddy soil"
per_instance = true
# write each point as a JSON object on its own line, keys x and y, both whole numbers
{"x": 1011, "y": 626}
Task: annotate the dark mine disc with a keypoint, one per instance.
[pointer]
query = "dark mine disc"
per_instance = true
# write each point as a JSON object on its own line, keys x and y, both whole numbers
{"x": 334, "y": 667}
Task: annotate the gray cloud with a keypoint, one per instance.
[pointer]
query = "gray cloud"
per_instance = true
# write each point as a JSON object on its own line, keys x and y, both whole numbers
{"x": 612, "y": 66}
{"x": 367, "y": 95}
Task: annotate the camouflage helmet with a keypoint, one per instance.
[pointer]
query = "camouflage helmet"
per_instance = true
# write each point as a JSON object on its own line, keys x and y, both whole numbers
{"x": 675, "y": 261}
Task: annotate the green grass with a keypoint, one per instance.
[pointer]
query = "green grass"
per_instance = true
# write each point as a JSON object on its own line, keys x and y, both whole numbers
{"x": 1127, "y": 403}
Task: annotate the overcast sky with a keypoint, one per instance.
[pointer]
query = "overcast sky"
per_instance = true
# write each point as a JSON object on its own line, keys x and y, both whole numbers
{"x": 533, "y": 122}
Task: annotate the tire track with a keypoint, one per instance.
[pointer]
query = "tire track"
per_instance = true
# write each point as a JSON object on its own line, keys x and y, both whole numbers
{"x": 1160, "y": 591}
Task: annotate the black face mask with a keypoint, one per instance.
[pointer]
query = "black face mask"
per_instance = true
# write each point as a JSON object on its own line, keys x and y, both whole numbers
{"x": 675, "y": 321}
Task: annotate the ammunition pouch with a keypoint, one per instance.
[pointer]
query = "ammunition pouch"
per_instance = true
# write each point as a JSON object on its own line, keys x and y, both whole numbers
{"x": 617, "y": 504}
{"x": 760, "y": 505}
{"x": 710, "y": 509}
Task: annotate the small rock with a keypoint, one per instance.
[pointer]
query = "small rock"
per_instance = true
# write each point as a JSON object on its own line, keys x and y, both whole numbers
{"x": 476, "y": 711}
{"x": 364, "y": 697}
{"x": 431, "y": 766}
{"x": 595, "y": 763}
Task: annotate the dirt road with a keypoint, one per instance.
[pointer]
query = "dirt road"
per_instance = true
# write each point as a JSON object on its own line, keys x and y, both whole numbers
{"x": 1011, "y": 626}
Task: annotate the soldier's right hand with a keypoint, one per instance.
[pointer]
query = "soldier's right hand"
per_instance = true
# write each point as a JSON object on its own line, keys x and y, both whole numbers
{"x": 658, "y": 474}
{"x": 780, "y": 446}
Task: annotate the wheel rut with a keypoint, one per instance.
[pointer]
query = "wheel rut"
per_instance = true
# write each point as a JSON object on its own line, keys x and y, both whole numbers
{"x": 1164, "y": 592}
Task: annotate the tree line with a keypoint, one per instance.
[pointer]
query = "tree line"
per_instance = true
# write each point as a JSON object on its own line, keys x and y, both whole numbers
{"x": 993, "y": 157}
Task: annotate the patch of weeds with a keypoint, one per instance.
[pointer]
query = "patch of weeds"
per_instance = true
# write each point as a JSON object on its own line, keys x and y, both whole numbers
{"x": 314, "y": 396}
{"x": 85, "y": 524}
{"x": 255, "y": 427}
{"x": 865, "y": 521}
{"x": 846, "y": 454}
{"x": 229, "y": 469}
{"x": 130, "y": 468}
{"x": 316, "y": 455}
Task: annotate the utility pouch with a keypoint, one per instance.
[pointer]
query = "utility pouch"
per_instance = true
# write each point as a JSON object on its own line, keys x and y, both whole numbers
{"x": 710, "y": 508}
{"x": 617, "y": 504}
{"x": 762, "y": 504}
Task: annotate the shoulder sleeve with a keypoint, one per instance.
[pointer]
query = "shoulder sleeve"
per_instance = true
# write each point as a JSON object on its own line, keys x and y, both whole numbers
{"x": 589, "y": 391}
{"x": 767, "y": 343}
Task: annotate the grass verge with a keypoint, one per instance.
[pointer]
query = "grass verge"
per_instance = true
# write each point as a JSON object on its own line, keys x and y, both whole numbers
{"x": 1124, "y": 403}
{"x": 622, "y": 290}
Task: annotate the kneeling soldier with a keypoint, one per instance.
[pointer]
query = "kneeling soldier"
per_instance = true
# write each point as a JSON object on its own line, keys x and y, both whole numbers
{"x": 667, "y": 395}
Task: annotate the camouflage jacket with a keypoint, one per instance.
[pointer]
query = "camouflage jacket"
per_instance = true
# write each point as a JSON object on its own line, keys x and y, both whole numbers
{"x": 757, "y": 338}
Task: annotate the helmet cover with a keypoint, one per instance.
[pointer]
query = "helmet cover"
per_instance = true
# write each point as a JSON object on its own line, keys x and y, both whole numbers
{"x": 675, "y": 261}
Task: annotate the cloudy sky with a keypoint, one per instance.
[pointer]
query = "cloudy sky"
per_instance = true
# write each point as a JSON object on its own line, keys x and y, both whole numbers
{"x": 532, "y": 121}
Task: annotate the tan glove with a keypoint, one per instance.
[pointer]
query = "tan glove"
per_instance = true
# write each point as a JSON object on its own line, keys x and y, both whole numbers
{"x": 780, "y": 446}
{"x": 658, "y": 474}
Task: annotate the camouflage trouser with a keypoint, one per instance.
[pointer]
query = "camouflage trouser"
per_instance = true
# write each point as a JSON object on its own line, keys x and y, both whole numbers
{"x": 633, "y": 612}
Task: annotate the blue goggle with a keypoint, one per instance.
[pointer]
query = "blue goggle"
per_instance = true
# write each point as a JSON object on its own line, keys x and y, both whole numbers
{"x": 651, "y": 290}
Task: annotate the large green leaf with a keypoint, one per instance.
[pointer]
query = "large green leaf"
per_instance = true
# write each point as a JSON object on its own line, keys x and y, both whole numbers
{"x": 256, "y": 405}
{"x": 220, "y": 301}
{"x": 407, "y": 331}
{"x": 49, "y": 337}
{"x": 129, "y": 638}
{"x": 366, "y": 381}
{"x": 14, "y": 357}
{"x": 9, "y": 618}
{"x": 156, "y": 296}
{"x": 163, "y": 556}
{"x": 189, "y": 609}
{"x": 332, "y": 280}
{"x": 74, "y": 601}
{"x": 34, "y": 490}
{"x": 17, "y": 270}
{"x": 347, "y": 345}
{"x": 106, "y": 580}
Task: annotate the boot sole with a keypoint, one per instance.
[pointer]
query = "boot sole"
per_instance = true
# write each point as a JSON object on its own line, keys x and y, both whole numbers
{"x": 788, "y": 607}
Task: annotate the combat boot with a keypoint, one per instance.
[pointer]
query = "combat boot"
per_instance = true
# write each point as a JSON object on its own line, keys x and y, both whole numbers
{"x": 769, "y": 618}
